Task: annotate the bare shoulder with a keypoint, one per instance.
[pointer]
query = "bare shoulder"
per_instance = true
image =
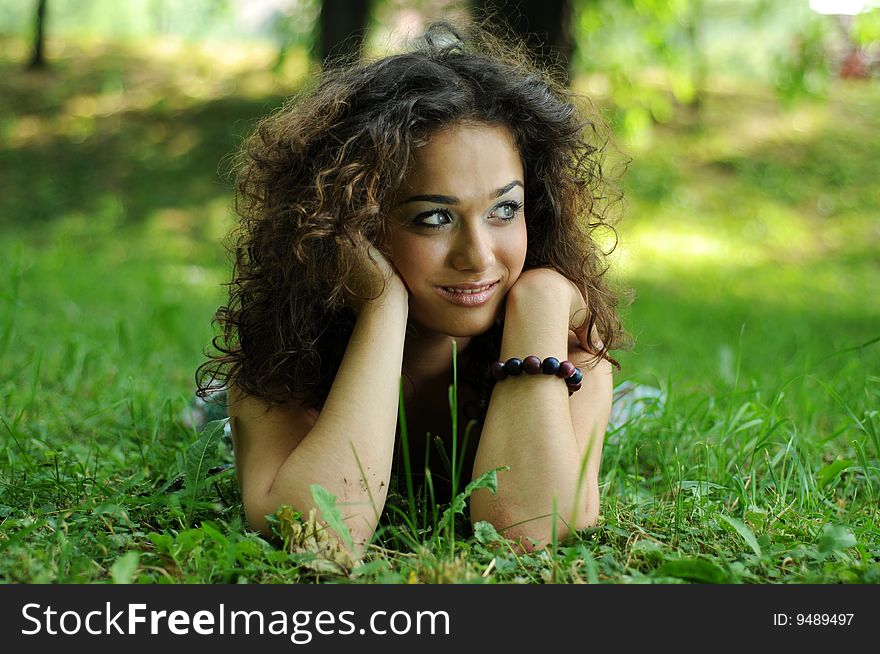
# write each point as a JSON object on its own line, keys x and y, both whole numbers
{"x": 264, "y": 435}
{"x": 250, "y": 408}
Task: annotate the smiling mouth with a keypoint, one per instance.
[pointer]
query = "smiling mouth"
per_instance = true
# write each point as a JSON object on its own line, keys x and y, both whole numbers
{"x": 468, "y": 291}
{"x": 469, "y": 295}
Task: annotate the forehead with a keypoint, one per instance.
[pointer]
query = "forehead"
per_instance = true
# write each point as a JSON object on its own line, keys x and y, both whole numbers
{"x": 465, "y": 160}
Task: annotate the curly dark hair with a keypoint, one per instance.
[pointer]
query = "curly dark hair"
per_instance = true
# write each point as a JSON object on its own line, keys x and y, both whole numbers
{"x": 323, "y": 170}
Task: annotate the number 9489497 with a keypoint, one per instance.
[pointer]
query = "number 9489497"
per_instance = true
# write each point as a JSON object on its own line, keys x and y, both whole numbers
{"x": 823, "y": 619}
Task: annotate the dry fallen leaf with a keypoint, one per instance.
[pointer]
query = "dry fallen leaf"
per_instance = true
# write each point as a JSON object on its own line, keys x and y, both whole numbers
{"x": 309, "y": 536}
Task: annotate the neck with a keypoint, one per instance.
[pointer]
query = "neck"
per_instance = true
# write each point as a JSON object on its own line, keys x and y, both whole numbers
{"x": 427, "y": 354}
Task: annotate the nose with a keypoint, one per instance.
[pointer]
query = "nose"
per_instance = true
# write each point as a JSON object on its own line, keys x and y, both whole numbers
{"x": 473, "y": 250}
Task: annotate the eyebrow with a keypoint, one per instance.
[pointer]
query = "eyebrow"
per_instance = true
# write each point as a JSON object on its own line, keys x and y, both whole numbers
{"x": 451, "y": 199}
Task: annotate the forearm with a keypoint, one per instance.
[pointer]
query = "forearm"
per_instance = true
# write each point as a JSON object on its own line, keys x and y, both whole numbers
{"x": 529, "y": 428}
{"x": 350, "y": 449}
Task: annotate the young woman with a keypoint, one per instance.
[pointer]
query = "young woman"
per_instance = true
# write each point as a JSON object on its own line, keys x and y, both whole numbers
{"x": 448, "y": 193}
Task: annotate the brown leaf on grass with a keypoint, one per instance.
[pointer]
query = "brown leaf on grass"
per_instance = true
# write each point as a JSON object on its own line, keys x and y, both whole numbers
{"x": 311, "y": 537}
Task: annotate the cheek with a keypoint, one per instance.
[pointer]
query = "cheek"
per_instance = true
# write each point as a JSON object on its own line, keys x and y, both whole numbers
{"x": 415, "y": 258}
{"x": 514, "y": 248}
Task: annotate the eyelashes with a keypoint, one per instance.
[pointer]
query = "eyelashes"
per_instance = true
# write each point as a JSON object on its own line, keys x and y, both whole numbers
{"x": 514, "y": 207}
{"x": 441, "y": 213}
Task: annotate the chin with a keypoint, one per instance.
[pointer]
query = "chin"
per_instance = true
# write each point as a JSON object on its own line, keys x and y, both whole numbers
{"x": 469, "y": 323}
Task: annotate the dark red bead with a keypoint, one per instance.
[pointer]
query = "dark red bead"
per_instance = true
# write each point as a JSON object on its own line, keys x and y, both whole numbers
{"x": 513, "y": 367}
{"x": 497, "y": 370}
{"x": 575, "y": 387}
{"x": 566, "y": 369}
{"x": 532, "y": 365}
{"x": 550, "y": 366}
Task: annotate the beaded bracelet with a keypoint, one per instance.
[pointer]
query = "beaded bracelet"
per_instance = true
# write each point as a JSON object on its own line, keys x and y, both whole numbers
{"x": 533, "y": 365}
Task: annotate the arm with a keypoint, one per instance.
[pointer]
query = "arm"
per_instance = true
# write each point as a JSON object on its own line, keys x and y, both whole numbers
{"x": 280, "y": 453}
{"x": 546, "y": 437}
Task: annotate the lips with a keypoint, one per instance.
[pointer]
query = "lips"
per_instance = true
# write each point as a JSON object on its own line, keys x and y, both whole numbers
{"x": 468, "y": 295}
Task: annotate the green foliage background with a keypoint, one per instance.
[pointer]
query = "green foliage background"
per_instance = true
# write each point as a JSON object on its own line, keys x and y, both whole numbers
{"x": 750, "y": 244}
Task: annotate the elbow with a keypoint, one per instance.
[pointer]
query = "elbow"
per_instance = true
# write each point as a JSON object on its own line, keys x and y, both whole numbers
{"x": 532, "y": 534}
{"x": 255, "y": 518}
{"x": 530, "y": 539}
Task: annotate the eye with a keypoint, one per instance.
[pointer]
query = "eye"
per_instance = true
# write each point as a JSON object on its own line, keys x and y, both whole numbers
{"x": 507, "y": 211}
{"x": 435, "y": 219}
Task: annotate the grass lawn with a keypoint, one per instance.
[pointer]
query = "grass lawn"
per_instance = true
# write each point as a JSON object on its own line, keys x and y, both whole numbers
{"x": 751, "y": 242}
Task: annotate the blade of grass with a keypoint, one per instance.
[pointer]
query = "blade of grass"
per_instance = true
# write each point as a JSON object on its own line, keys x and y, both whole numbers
{"x": 198, "y": 459}
{"x": 743, "y": 530}
{"x": 453, "y": 409}
{"x": 869, "y": 431}
{"x": 407, "y": 466}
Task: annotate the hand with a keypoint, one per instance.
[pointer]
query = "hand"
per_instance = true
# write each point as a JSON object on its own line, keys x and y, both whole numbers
{"x": 372, "y": 275}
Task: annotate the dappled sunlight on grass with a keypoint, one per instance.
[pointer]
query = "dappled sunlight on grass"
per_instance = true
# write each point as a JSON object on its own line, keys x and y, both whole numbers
{"x": 94, "y": 81}
{"x": 685, "y": 246}
{"x": 734, "y": 281}
{"x": 126, "y": 122}
{"x": 753, "y": 127}
{"x": 183, "y": 234}
{"x": 751, "y": 232}
{"x": 761, "y": 222}
{"x": 198, "y": 277}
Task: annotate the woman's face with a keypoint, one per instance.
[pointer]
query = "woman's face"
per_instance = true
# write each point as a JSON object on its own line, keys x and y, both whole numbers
{"x": 457, "y": 233}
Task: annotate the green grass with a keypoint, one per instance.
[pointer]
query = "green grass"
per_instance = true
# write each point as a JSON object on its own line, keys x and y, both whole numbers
{"x": 751, "y": 242}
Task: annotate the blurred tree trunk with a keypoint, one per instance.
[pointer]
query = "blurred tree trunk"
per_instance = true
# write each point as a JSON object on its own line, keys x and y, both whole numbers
{"x": 546, "y": 26}
{"x": 342, "y": 26}
{"x": 38, "y": 57}
{"x": 699, "y": 66}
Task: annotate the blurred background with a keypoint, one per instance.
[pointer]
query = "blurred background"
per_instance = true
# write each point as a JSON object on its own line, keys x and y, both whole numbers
{"x": 749, "y": 241}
